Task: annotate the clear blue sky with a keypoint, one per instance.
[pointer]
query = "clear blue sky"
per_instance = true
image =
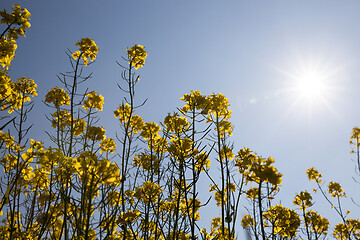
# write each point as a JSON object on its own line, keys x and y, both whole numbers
{"x": 251, "y": 51}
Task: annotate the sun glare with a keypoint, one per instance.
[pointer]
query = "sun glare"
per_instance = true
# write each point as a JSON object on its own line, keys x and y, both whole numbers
{"x": 311, "y": 85}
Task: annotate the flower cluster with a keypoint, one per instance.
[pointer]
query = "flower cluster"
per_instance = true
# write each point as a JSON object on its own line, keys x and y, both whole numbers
{"x": 137, "y": 56}
{"x": 303, "y": 199}
{"x": 335, "y": 190}
{"x": 149, "y": 192}
{"x": 318, "y": 224}
{"x": 218, "y": 106}
{"x": 347, "y": 230}
{"x": 252, "y": 193}
{"x": 226, "y": 153}
{"x": 13, "y": 94}
{"x": 57, "y": 97}
{"x": 93, "y": 100}
{"x": 6, "y": 140}
{"x": 87, "y": 49}
{"x": 190, "y": 207}
{"x": 257, "y": 169}
{"x": 221, "y": 196}
{"x": 176, "y": 124}
{"x": 218, "y": 230}
{"x": 285, "y": 221}
{"x": 123, "y": 112}
{"x": 129, "y": 216}
{"x": 7, "y": 52}
{"x": 180, "y": 148}
{"x": 19, "y": 16}
{"x": 5, "y": 85}
{"x": 91, "y": 169}
{"x": 195, "y": 100}
{"x": 95, "y": 133}
{"x": 61, "y": 119}
{"x": 79, "y": 126}
{"x": 22, "y": 91}
{"x": 150, "y": 130}
{"x": 201, "y": 160}
{"x": 355, "y": 137}
{"x": 147, "y": 162}
{"x": 314, "y": 175}
{"x": 247, "y": 221}
{"x": 107, "y": 145}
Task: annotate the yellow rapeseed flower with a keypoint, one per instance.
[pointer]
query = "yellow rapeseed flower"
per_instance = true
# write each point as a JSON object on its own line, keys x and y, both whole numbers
{"x": 107, "y": 145}
{"x": 303, "y": 199}
{"x": 195, "y": 100}
{"x": 335, "y": 190}
{"x": 7, "y": 52}
{"x": 93, "y": 100}
{"x": 57, "y": 97}
{"x": 150, "y": 130}
{"x": 318, "y": 224}
{"x": 247, "y": 221}
{"x": 61, "y": 119}
{"x": 137, "y": 56}
{"x": 87, "y": 49}
{"x": 285, "y": 221}
{"x": 314, "y": 175}
{"x": 95, "y": 133}
{"x": 176, "y": 124}
{"x": 79, "y": 126}
{"x": 19, "y": 16}
{"x": 123, "y": 112}
{"x": 256, "y": 168}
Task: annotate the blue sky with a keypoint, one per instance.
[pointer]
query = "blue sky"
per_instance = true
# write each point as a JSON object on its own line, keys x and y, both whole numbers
{"x": 251, "y": 51}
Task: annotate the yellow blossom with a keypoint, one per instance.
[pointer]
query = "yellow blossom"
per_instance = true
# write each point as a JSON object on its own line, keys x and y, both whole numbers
{"x": 195, "y": 100}
{"x": 149, "y": 192}
{"x": 57, "y": 97}
{"x": 180, "y": 148}
{"x": 107, "y": 145}
{"x": 18, "y": 16}
{"x": 303, "y": 199}
{"x": 335, "y": 190}
{"x": 79, "y": 126}
{"x": 218, "y": 106}
{"x": 147, "y": 162}
{"x": 349, "y": 230}
{"x": 87, "y": 49}
{"x": 21, "y": 92}
{"x": 252, "y": 193}
{"x": 318, "y": 224}
{"x": 7, "y": 52}
{"x": 202, "y": 160}
{"x": 123, "y": 112}
{"x": 247, "y": 221}
{"x": 226, "y": 153}
{"x": 61, "y": 119}
{"x": 285, "y": 221}
{"x": 256, "y": 168}
{"x": 150, "y": 130}
{"x": 137, "y": 56}
{"x": 176, "y": 124}
{"x": 129, "y": 216}
{"x": 93, "y": 100}
{"x": 314, "y": 175}
{"x": 95, "y": 133}
{"x": 28, "y": 173}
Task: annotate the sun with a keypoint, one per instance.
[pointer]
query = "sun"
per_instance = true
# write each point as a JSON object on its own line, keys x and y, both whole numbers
{"x": 310, "y": 82}
{"x": 311, "y": 85}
